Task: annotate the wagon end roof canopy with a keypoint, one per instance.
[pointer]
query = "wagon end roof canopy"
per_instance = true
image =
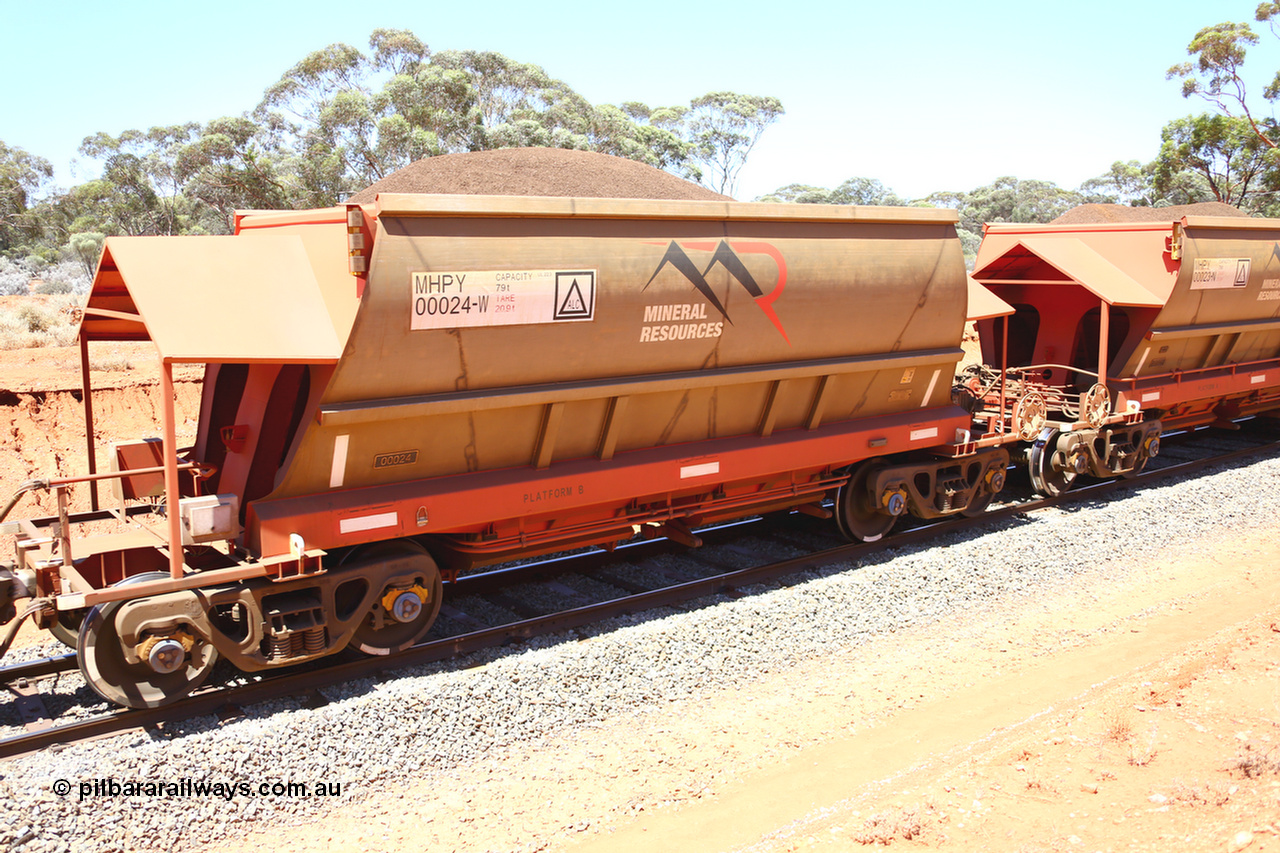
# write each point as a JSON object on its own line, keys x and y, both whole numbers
{"x": 983, "y": 304}
{"x": 212, "y": 299}
{"x": 1070, "y": 261}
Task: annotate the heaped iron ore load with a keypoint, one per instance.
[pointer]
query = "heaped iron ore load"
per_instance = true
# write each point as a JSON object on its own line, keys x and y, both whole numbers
{"x": 404, "y": 389}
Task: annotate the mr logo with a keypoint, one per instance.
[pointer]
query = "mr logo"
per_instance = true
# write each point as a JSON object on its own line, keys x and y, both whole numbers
{"x": 726, "y": 255}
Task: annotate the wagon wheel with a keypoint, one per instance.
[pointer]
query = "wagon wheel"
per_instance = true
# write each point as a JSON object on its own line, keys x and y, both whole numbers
{"x": 1132, "y": 473}
{"x": 1150, "y": 447}
{"x": 977, "y": 506}
{"x": 66, "y": 626}
{"x": 993, "y": 482}
{"x": 1030, "y": 414}
{"x": 174, "y": 671}
{"x": 402, "y": 614}
{"x": 857, "y": 515}
{"x": 1095, "y": 405}
{"x": 1052, "y": 472}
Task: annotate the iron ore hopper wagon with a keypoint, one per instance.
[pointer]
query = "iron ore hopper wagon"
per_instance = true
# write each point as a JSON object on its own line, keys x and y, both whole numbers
{"x": 401, "y": 391}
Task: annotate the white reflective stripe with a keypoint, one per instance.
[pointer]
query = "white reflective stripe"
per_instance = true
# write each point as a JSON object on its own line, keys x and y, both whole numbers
{"x": 368, "y": 522}
{"x": 1150, "y": 395}
{"x": 1145, "y": 352}
{"x": 919, "y": 434}
{"x": 338, "y": 472}
{"x": 929, "y": 393}
{"x": 702, "y": 470}
{"x": 1258, "y": 380}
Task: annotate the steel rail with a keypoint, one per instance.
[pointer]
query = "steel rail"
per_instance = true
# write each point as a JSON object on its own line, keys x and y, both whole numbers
{"x": 479, "y": 583}
{"x": 484, "y": 582}
{"x": 38, "y": 668}
{"x": 308, "y": 681}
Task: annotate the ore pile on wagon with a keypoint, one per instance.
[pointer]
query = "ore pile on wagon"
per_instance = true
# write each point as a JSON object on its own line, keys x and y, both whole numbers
{"x": 413, "y": 386}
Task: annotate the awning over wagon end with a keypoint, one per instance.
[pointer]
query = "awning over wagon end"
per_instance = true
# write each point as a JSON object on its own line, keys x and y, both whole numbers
{"x": 1069, "y": 260}
{"x": 983, "y": 304}
{"x": 212, "y": 299}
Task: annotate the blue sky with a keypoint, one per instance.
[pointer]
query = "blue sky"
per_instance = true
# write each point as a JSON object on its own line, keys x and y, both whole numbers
{"x": 923, "y": 96}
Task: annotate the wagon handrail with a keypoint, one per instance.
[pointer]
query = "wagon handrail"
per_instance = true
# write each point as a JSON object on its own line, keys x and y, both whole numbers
{"x": 204, "y": 472}
{"x": 1070, "y": 367}
{"x": 28, "y": 486}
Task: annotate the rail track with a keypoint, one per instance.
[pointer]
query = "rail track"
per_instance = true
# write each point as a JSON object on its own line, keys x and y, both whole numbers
{"x": 697, "y": 574}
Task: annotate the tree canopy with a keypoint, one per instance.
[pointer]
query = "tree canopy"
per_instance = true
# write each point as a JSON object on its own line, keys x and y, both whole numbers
{"x": 868, "y": 191}
{"x": 355, "y": 118}
{"x": 21, "y": 176}
{"x": 340, "y": 119}
{"x": 1216, "y": 72}
{"x": 1230, "y": 155}
{"x": 724, "y": 127}
{"x": 1225, "y": 152}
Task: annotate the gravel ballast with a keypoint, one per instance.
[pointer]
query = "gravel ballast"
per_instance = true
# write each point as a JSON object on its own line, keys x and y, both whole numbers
{"x": 371, "y": 737}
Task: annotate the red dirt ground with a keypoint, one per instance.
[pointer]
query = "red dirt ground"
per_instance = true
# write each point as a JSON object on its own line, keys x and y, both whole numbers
{"x": 42, "y": 419}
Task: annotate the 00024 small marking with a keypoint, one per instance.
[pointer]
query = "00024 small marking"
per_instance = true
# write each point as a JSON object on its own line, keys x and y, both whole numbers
{"x": 387, "y": 460}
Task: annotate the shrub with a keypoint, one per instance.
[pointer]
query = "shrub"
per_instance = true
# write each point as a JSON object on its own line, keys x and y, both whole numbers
{"x": 13, "y": 277}
{"x": 36, "y": 317}
{"x": 52, "y": 288}
{"x": 37, "y": 322}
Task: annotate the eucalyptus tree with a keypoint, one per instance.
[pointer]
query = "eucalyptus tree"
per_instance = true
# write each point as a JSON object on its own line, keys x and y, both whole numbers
{"x": 860, "y": 191}
{"x": 354, "y": 117}
{"x": 1233, "y": 154}
{"x": 22, "y": 175}
{"x": 321, "y": 108}
{"x": 1008, "y": 199}
{"x": 661, "y": 131}
{"x": 724, "y": 127}
{"x": 1126, "y": 182}
{"x": 229, "y": 164}
{"x": 1233, "y": 159}
{"x": 1216, "y": 72}
{"x": 139, "y": 191}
